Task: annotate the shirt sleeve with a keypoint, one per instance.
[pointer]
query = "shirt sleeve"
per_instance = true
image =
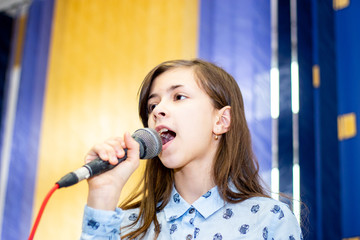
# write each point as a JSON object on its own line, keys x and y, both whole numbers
{"x": 100, "y": 224}
{"x": 283, "y": 224}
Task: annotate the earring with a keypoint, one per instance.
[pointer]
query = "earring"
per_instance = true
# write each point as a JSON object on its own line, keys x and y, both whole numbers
{"x": 216, "y": 137}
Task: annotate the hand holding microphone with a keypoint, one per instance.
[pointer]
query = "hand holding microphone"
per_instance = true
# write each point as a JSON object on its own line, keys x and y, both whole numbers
{"x": 149, "y": 146}
{"x": 104, "y": 194}
{"x": 145, "y": 143}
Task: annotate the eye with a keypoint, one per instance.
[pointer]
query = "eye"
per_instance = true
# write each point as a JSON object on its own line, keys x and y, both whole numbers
{"x": 178, "y": 97}
{"x": 151, "y": 107}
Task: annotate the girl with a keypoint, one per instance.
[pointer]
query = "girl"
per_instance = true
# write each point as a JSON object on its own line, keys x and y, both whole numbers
{"x": 205, "y": 182}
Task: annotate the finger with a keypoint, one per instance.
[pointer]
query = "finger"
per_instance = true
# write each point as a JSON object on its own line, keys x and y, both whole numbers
{"x": 96, "y": 152}
{"x": 132, "y": 146}
{"x": 104, "y": 151}
{"x": 121, "y": 140}
{"x": 118, "y": 144}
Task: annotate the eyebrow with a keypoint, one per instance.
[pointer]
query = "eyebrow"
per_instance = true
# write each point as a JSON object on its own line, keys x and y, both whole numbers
{"x": 170, "y": 89}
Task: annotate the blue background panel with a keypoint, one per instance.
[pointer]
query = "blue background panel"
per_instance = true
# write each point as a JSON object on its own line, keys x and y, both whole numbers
{"x": 348, "y": 84}
{"x": 235, "y": 34}
{"x": 20, "y": 188}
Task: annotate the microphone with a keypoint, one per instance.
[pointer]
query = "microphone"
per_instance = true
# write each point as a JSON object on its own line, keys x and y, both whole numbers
{"x": 150, "y": 146}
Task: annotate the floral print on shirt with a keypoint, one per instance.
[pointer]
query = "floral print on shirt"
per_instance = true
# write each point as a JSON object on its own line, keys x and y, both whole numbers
{"x": 211, "y": 218}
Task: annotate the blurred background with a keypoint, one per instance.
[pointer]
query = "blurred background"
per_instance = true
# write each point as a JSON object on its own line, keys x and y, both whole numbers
{"x": 70, "y": 72}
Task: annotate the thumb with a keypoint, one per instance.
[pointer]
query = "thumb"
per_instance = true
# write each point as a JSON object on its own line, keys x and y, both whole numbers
{"x": 132, "y": 146}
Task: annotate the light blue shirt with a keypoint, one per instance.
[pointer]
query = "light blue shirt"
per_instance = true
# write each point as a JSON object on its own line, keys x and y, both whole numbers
{"x": 209, "y": 217}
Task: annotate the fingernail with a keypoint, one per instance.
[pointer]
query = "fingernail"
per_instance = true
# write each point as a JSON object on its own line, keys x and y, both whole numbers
{"x": 114, "y": 159}
{"x": 119, "y": 153}
{"x": 103, "y": 156}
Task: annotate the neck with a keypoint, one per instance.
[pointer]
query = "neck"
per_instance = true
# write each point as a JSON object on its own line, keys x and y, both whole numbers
{"x": 194, "y": 181}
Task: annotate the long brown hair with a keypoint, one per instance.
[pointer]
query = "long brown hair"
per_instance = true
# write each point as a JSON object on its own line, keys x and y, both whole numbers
{"x": 234, "y": 161}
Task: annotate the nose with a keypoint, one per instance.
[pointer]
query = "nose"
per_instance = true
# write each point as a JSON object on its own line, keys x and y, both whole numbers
{"x": 159, "y": 112}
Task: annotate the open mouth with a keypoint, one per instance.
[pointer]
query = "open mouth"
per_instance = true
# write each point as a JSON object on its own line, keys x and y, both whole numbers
{"x": 166, "y": 135}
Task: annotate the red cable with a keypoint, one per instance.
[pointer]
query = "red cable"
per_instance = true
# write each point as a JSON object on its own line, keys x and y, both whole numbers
{"x": 46, "y": 199}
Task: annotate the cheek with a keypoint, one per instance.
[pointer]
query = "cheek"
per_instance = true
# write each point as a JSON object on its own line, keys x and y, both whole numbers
{"x": 200, "y": 123}
{"x": 150, "y": 122}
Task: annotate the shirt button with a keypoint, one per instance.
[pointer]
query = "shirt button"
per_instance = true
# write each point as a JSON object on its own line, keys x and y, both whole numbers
{"x": 192, "y": 210}
{"x": 189, "y": 237}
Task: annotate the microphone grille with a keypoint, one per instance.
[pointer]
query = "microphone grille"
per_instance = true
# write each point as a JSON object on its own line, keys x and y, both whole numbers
{"x": 150, "y": 142}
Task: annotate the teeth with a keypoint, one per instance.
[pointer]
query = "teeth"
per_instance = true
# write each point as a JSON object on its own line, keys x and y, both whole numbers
{"x": 163, "y": 130}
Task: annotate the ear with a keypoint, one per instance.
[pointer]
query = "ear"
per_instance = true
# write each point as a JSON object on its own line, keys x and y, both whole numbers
{"x": 222, "y": 121}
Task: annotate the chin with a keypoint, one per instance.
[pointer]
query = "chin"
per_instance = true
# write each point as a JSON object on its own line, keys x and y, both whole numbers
{"x": 169, "y": 163}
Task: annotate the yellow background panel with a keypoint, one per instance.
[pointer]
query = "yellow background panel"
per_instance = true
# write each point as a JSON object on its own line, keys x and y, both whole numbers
{"x": 100, "y": 52}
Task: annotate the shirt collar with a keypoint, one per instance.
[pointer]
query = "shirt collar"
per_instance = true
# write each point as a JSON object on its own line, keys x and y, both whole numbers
{"x": 206, "y": 205}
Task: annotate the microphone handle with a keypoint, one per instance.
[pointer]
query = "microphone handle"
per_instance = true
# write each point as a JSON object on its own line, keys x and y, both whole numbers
{"x": 90, "y": 169}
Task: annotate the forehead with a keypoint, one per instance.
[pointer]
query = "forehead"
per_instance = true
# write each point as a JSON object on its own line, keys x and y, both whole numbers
{"x": 183, "y": 76}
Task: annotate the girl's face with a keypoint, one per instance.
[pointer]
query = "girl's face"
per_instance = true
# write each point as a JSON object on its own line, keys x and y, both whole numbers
{"x": 184, "y": 116}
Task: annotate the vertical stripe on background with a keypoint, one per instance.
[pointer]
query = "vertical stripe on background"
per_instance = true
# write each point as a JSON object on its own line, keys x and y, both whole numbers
{"x": 285, "y": 129}
{"x": 236, "y": 35}
{"x": 12, "y": 97}
{"x": 295, "y": 107}
{"x": 99, "y": 55}
{"x": 274, "y": 101}
{"x": 318, "y": 173}
{"x": 27, "y": 121}
{"x": 11, "y": 34}
{"x": 306, "y": 120}
{"x": 348, "y": 85}
{"x": 326, "y": 107}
